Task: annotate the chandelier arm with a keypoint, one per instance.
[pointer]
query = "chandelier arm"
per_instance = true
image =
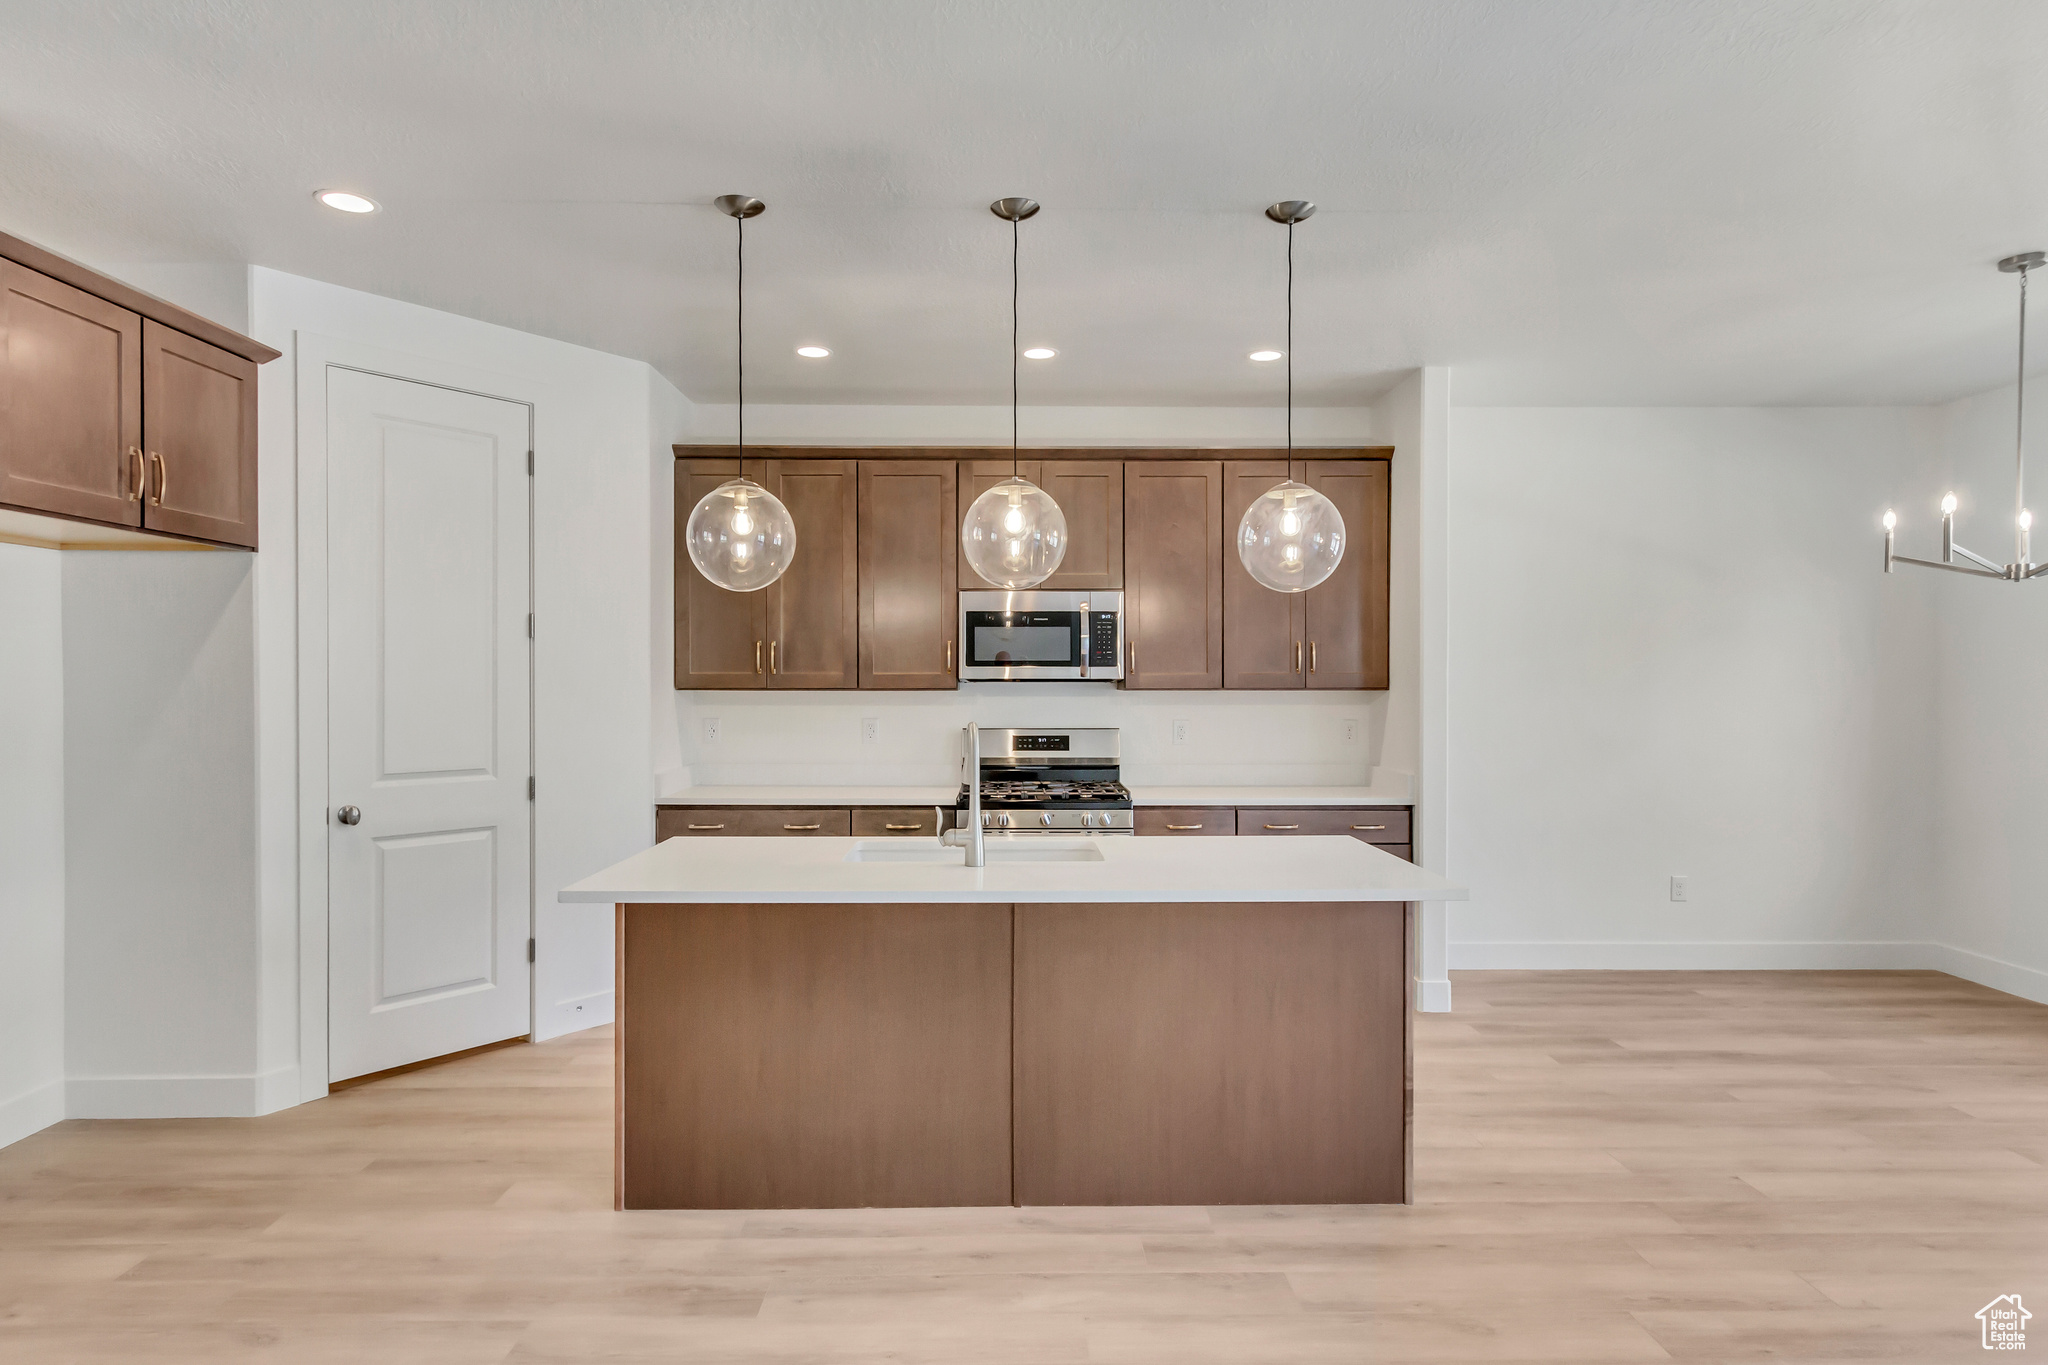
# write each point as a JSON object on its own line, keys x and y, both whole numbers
{"x": 1952, "y": 568}
{"x": 1976, "y": 558}
{"x": 2035, "y": 572}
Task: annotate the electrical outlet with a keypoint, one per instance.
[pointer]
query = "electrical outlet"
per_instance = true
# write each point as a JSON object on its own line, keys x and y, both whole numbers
{"x": 1678, "y": 882}
{"x": 871, "y": 730}
{"x": 711, "y": 729}
{"x": 1351, "y": 732}
{"x": 1180, "y": 732}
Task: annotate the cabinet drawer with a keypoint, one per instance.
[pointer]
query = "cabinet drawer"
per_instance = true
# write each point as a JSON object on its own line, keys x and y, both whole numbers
{"x": 1188, "y": 820}
{"x": 747, "y": 822}
{"x": 1405, "y": 852}
{"x": 1375, "y": 824}
{"x": 872, "y": 822}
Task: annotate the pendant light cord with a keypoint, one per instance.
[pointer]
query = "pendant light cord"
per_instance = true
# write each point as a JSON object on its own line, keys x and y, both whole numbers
{"x": 2019, "y": 432}
{"x": 1014, "y": 237}
{"x": 1290, "y": 349}
{"x": 740, "y": 345}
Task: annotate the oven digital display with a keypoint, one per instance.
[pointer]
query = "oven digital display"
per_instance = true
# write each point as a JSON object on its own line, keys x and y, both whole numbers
{"x": 1040, "y": 743}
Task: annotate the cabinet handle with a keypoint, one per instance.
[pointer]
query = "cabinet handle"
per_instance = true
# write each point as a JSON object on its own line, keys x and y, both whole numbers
{"x": 773, "y": 648}
{"x": 1311, "y": 656}
{"x": 163, "y": 480}
{"x": 1297, "y": 656}
{"x": 949, "y": 656}
{"x": 800, "y": 827}
{"x": 757, "y": 656}
{"x": 1368, "y": 827}
{"x": 141, "y": 474}
{"x": 704, "y": 827}
{"x": 1283, "y": 827}
{"x": 1183, "y": 826}
{"x": 1132, "y": 646}
{"x": 898, "y": 828}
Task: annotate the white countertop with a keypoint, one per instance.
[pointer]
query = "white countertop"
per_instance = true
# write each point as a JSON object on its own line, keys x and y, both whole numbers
{"x": 1330, "y": 867}
{"x": 943, "y": 796}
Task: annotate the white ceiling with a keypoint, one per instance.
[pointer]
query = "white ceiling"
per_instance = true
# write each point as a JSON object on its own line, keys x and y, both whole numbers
{"x": 1685, "y": 201}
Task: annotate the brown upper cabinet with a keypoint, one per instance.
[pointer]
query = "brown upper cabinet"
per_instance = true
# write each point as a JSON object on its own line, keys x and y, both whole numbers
{"x": 909, "y": 574}
{"x": 802, "y": 630}
{"x": 119, "y": 409}
{"x": 1173, "y": 574}
{"x": 1263, "y": 643}
{"x": 1090, "y": 494}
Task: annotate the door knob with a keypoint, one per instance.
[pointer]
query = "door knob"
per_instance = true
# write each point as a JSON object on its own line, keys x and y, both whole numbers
{"x": 349, "y": 815}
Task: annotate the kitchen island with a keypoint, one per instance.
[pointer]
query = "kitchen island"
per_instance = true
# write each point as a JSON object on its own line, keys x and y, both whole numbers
{"x": 835, "y": 1022}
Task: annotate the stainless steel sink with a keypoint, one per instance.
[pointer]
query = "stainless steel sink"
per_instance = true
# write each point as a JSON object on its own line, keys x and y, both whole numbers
{"x": 1031, "y": 850}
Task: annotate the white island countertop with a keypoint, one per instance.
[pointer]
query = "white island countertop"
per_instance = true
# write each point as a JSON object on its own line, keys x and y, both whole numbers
{"x": 1199, "y": 868}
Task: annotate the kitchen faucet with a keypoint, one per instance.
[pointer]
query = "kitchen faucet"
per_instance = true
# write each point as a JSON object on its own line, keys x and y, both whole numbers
{"x": 972, "y": 839}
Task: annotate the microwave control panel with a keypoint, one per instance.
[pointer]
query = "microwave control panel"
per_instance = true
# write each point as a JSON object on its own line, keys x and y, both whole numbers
{"x": 1102, "y": 642}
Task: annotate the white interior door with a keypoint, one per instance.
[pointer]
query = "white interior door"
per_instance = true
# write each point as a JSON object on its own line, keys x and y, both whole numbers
{"x": 429, "y": 736}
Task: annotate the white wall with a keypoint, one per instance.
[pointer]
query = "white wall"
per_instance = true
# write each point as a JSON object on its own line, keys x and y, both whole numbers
{"x": 1988, "y": 916}
{"x": 1673, "y": 651}
{"x": 31, "y": 840}
{"x": 160, "y": 791}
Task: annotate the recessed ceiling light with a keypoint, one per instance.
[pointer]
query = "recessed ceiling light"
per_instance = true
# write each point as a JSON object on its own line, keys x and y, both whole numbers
{"x": 346, "y": 202}
{"x": 1040, "y": 353}
{"x": 1263, "y": 356}
{"x": 812, "y": 352}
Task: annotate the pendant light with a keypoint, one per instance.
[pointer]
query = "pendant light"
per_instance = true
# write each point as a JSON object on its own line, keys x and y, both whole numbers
{"x": 1014, "y": 535}
{"x": 1291, "y": 537}
{"x": 2022, "y": 568}
{"x": 740, "y": 536}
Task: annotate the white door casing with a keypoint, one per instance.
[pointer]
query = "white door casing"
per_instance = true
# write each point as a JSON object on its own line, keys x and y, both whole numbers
{"x": 429, "y": 721}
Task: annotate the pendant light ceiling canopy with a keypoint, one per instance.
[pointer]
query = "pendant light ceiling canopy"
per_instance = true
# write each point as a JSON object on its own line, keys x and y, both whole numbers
{"x": 2022, "y": 567}
{"x": 1014, "y": 535}
{"x": 1291, "y": 537}
{"x": 739, "y": 535}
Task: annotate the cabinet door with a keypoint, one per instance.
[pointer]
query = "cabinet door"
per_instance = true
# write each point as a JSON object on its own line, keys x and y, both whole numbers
{"x": 909, "y": 574}
{"x": 1263, "y": 643}
{"x": 814, "y": 608}
{"x": 1091, "y": 494}
{"x": 1173, "y": 573}
{"x": 199, "y": 435}
{"x": 721, "y": 636}
{"x": 1347, "y": 612}
{"x": 1210, "y": 820}
{"x": 70, "y": 400}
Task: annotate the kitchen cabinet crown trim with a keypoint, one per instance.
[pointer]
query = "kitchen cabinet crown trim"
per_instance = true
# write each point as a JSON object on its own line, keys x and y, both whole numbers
{"x": 727, "y": 452}
{"x": 105, "y": 287}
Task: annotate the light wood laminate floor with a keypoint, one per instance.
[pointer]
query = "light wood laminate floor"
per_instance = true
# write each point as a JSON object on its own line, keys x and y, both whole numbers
{"x": 1612, "y": 1167}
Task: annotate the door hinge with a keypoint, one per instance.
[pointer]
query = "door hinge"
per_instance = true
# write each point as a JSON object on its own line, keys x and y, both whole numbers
{"x": 529, "y": 950}
{"x": 529, "y": 462}
{"x": 529, "y": 625}
{"x": 529, "y": 789}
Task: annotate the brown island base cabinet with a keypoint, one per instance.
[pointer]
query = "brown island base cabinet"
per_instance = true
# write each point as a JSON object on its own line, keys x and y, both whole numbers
{"x": 852, "y": 1055}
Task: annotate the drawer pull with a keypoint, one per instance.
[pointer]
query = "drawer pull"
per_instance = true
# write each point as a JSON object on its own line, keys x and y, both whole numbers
{"x": 799, "y": 827}
{"x": 1283, "y": 827}
{"x": 705, "y": 827}
{"x": 1368, "y": 827}
{"x": 911, "y": 828}
{"x": 1183, "y": 826}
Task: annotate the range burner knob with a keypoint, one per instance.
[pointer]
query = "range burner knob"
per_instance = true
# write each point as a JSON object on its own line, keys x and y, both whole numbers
{"x": 1003, "y": 819}
{"x": 1046, "y": 818}
{"x": 987, "y": 818}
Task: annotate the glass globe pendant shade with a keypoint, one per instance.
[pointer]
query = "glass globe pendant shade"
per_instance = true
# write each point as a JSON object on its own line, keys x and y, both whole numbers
{"x": 740, "y": 536}
{"x": 1291, "y": 538}
{"x": 1014, "y": 535}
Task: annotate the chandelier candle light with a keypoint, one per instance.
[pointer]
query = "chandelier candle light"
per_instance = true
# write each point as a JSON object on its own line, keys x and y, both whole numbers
{"x": 2022, "y": 568}
{"x": 740, "y": 536}
{"x": 1291, "y": 537}
{"x": 1014, "y": 535}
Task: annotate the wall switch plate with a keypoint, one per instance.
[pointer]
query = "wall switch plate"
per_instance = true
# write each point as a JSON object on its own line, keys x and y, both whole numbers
{"x": 1678, "y": 887}
{"x": 871, "y": 730}
{"x": 1180, "y": 732}
{"x": 711, "y": 729}
{"x": 1351, "y": 732}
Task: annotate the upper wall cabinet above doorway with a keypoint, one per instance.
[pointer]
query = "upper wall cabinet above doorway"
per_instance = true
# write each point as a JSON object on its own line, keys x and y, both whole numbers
{"x": 880, "y": 533}
{"x": 125, "y": 422}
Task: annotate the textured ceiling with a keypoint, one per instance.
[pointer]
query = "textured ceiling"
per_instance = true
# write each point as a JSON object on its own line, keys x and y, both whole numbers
{"x": 1669, "y": 202}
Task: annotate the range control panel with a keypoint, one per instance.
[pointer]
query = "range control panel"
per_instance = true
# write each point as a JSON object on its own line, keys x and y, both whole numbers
{"x": 1103, "y": 646}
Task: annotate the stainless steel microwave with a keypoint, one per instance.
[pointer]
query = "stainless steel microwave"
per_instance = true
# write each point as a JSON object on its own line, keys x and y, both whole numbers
{"x": 1034, "y": 636}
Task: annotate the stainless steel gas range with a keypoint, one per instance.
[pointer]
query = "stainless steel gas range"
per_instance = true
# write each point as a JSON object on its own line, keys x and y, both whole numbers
{"x": 1050, "y": 782}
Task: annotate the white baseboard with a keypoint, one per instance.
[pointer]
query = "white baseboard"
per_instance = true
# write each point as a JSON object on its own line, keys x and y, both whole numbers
{"x": 31, "y": 1111}
{"x": 2028, "y": 983}
{"x": 180, "y": 1097}
{"x": 573, "y": 1015}
{"x": 1879, "y": 955}
{"x": 1432, "y": 997}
